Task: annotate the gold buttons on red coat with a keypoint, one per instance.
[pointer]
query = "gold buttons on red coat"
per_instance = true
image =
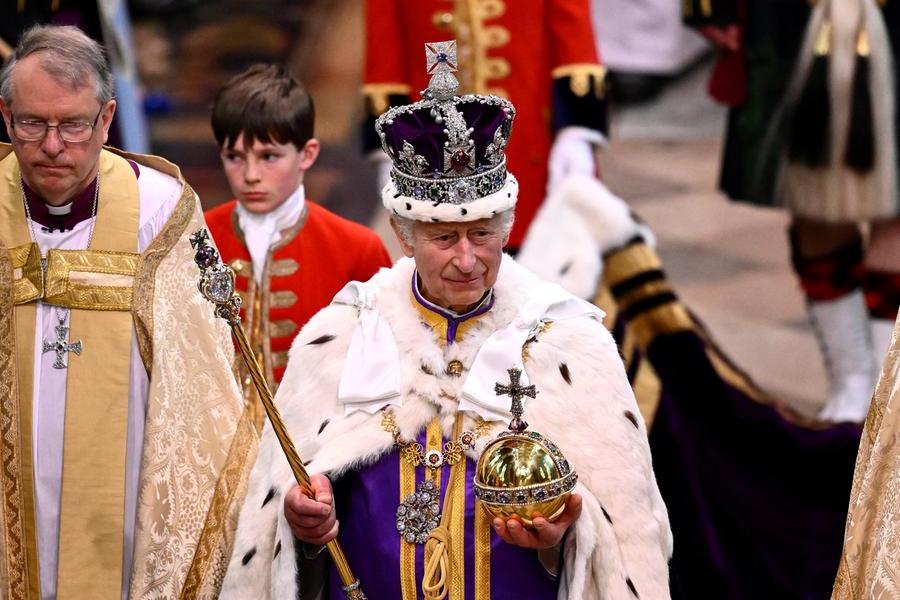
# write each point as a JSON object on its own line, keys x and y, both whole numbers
{"x": 496, "y": 36}
{"x": 491, "y": 9}
{"x": 240, "y": 267}
{"x": 283, "y": 267}
{"x": 282, "y": 299}
{"x": 443, "y": 20}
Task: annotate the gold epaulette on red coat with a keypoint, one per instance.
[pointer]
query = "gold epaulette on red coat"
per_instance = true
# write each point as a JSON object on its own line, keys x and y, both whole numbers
{"x": 583, "y": 78}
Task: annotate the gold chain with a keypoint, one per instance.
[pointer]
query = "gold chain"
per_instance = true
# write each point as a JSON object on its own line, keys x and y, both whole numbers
{"x": 414, "y": 454}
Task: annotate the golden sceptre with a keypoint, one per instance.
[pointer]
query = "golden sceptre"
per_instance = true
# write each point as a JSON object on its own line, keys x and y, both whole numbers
{"x": 217, "y": 286}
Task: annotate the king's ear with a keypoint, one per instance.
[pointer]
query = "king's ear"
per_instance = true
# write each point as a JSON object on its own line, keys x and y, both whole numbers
{"x": 4, "y": 110}
{"x": 402, "y": 236}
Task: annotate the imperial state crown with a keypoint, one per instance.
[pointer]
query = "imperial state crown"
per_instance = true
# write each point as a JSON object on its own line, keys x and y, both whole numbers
{"x": 448, "y": 151}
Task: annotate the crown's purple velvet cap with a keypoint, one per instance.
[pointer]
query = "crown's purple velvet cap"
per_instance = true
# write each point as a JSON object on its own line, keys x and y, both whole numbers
{"x": 427, "y": 137}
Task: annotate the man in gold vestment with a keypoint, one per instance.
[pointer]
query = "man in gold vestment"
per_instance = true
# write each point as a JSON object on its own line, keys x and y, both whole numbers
{"x": 870, "y": 562}
{"x": 123, "y": 440}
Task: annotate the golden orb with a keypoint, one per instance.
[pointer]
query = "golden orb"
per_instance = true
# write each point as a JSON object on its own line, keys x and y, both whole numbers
{"x": 523, "y": 473}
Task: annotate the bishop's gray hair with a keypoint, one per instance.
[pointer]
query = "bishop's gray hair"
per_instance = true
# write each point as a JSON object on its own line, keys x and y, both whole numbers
{"x": 67, "y": 55}
{"x": 406, "y": 226}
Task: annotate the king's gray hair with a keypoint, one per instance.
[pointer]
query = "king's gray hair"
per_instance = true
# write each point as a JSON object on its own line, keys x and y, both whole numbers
{"x": 67, "y": 55}
{"x": 406, "y": 226}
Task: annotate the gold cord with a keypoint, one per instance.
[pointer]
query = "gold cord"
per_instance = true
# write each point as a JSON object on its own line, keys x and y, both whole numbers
{"x": 434, "y": 580}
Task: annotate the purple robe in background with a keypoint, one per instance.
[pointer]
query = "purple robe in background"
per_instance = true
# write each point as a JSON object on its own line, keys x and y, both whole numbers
{"x": 757, "y": 495}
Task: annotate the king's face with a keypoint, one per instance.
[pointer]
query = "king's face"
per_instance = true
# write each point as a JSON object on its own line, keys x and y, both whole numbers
{"x": 457, "y": 262}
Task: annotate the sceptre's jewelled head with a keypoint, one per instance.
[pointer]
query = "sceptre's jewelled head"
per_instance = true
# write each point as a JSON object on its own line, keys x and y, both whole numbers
{"x": 216, "y": 279}
{"x": 448, "y": 151}
{"x": 522, "y": 473}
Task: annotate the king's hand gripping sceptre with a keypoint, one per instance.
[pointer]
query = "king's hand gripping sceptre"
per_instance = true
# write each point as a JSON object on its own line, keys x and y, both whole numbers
{"x": 217, "y": 285}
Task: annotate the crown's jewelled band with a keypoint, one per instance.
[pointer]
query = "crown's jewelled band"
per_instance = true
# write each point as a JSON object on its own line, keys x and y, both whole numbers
{"x": 456, "y": 190}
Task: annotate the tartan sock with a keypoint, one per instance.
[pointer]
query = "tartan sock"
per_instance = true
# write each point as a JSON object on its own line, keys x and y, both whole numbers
{"x": 882, "y": 290}
{"x": 829, "y": 276}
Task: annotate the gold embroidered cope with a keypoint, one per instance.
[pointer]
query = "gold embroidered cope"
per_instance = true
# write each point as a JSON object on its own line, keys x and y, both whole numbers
{"x": 199, "y": 441}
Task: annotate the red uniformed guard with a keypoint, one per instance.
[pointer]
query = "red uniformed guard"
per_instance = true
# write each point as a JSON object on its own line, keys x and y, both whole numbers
{"x": 291, "y": 256}
{"x": 538, "y": 53}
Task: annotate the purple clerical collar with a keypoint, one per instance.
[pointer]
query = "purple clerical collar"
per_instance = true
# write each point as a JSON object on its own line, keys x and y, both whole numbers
{"x": 65, "y": 217}
{"x": 454, "y": 320}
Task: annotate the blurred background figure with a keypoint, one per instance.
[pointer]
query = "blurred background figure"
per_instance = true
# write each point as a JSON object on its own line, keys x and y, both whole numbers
{"x": 644, "y": 45}
{"x": 538, "y": 54}
{"x": 187, "y": 50}
{"x": 813, "y": 127}
{"x": 290, "y": 255}
{"x": 109, "y": 23}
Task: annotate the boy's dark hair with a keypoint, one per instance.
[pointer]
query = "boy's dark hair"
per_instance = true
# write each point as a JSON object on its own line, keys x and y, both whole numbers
{"x": 263, "y": 103}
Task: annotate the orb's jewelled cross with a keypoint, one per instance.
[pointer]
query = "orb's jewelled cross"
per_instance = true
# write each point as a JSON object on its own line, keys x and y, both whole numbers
{"x": 516, "y": 391}
{"x": 441, "y": 56}
{"x": 61, "y": 345}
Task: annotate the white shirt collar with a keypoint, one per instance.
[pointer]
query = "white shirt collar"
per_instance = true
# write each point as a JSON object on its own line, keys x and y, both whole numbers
{"x": 262, "y": 231}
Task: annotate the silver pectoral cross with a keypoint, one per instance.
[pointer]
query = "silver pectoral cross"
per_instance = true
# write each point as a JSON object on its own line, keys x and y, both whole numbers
{"x": 61, "y": 345}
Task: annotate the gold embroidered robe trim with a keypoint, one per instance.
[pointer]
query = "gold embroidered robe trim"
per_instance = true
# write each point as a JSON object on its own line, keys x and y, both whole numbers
{"x": 483, "y": 521}
{"x": 92, "y": 280}
{"x": 198, "y": 450}
{"x": 408, "y": 583}
{"x": 19, "y": 567}
{"x": 457, "y": 522}
{"x": 378, "y": 95}
{"x": 583, "y": 78}
{"x": 92, "y": 505}
{"x": 86, "y": 279}
{"x": 27, "y": 283}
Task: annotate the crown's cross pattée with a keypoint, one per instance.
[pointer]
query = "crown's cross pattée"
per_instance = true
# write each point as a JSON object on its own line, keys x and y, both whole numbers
{"x": 441, "y": 57}
{"x": 61, "y": 345}
{"x": 516, "y": 391}
{"x": 440, "y": 61}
